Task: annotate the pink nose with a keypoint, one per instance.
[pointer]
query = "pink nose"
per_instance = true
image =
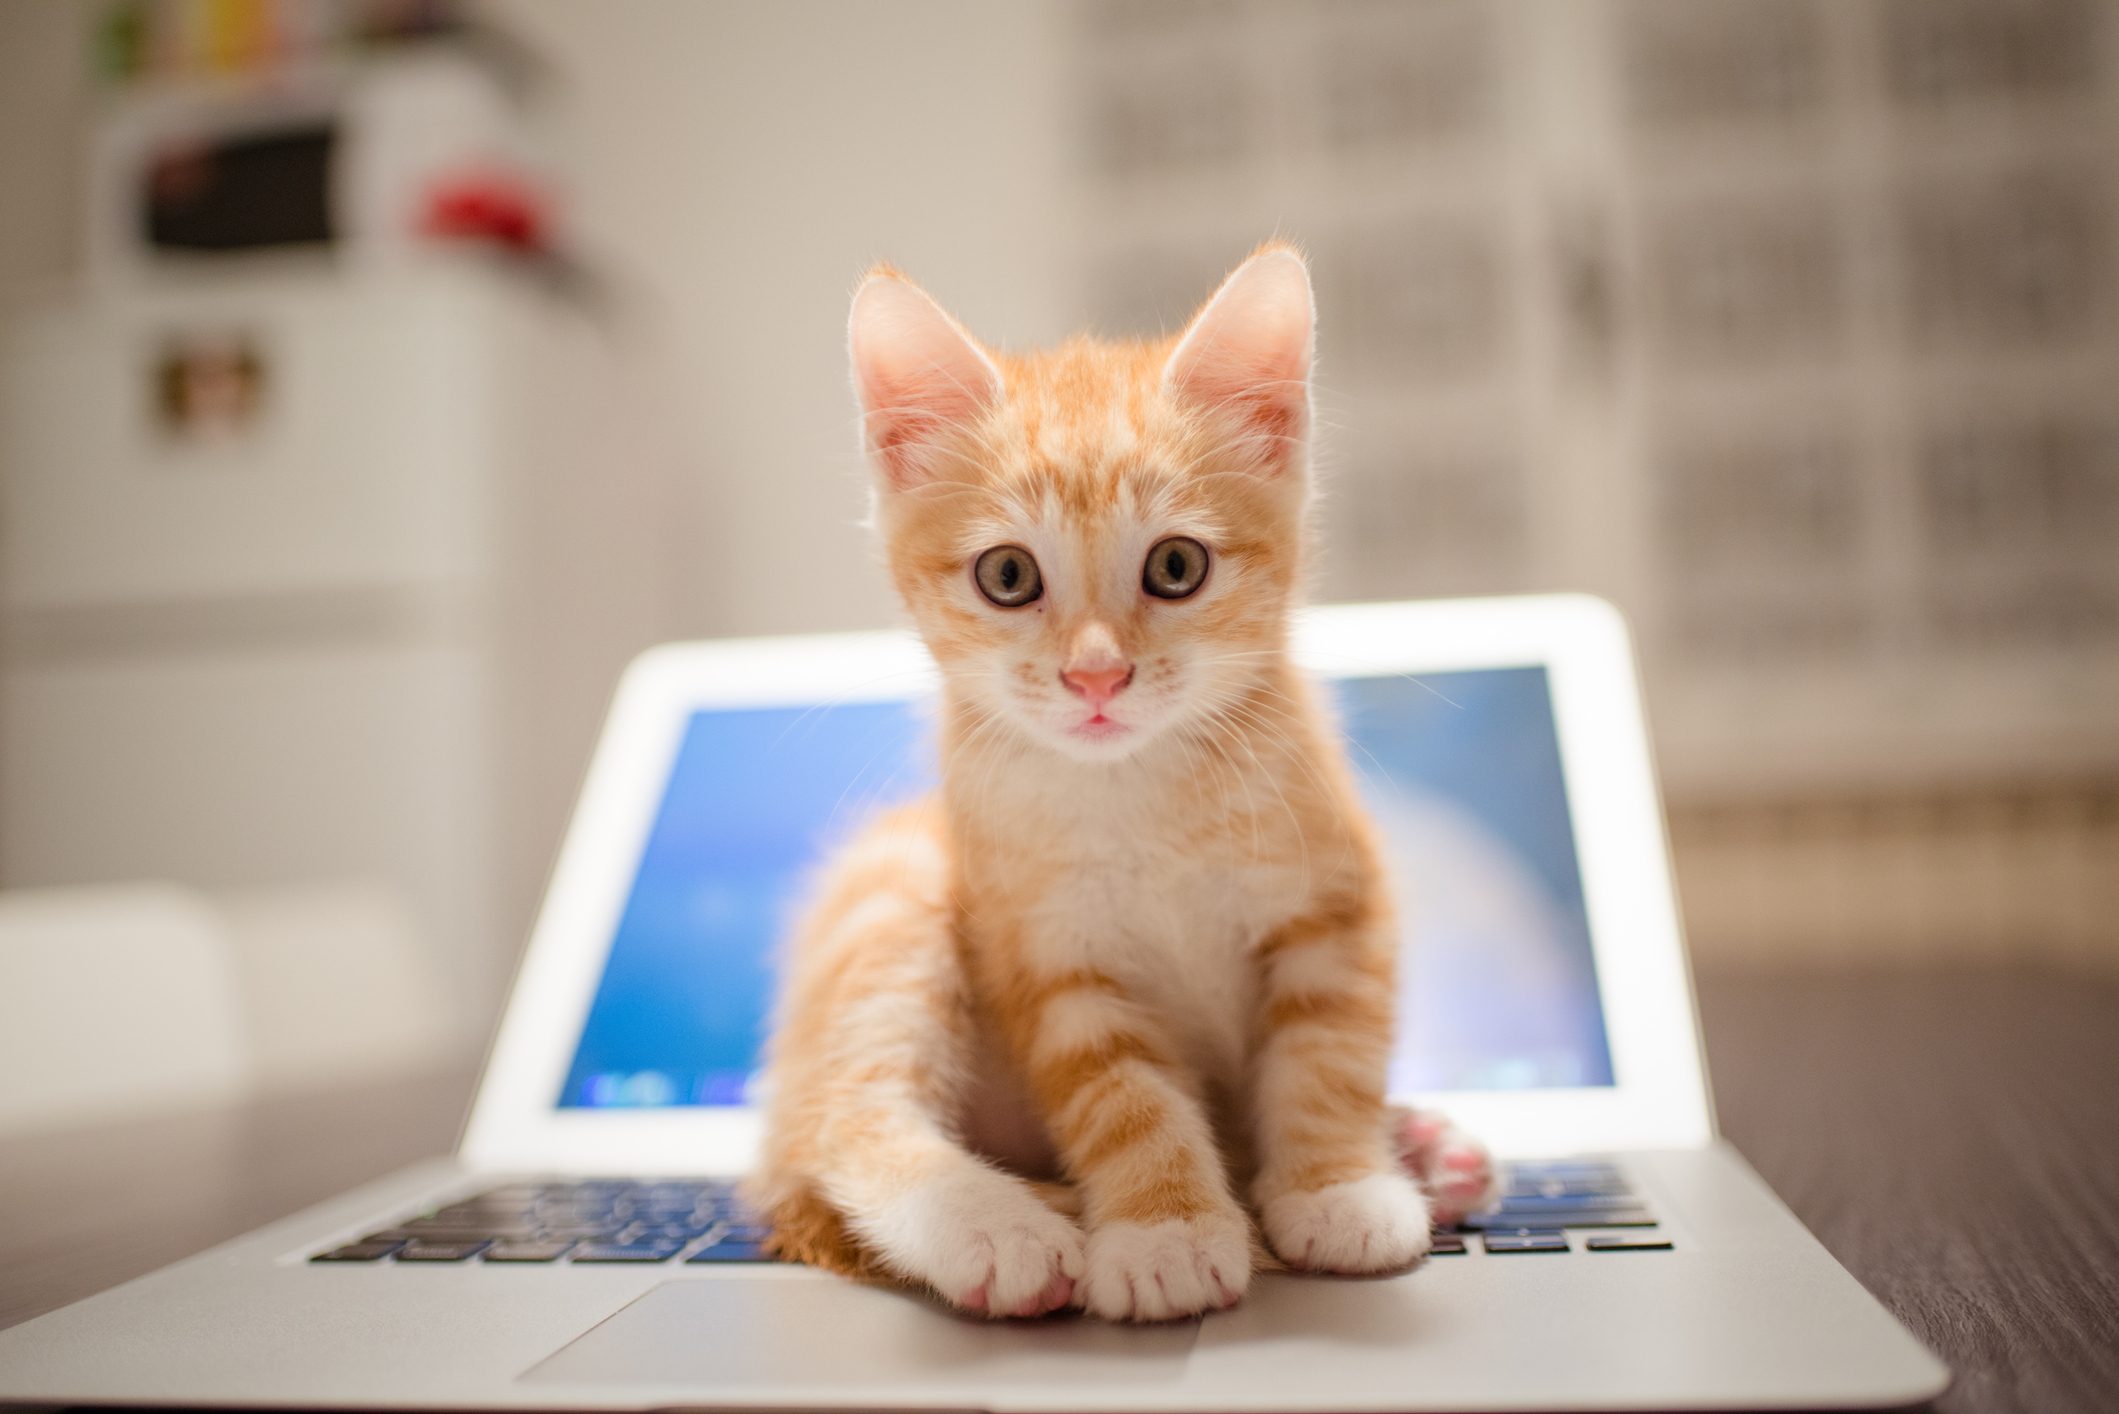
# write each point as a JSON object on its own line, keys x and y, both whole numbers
{"x": 1097, "y": 685}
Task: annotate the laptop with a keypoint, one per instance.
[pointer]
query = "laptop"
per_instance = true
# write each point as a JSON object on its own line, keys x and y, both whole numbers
{"x": 584, "y": 1248}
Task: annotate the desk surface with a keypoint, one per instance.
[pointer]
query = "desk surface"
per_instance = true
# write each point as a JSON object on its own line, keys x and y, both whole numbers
{"x": 1954, "y": 1140}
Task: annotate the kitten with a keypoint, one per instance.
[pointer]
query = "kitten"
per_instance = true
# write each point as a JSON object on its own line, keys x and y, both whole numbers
{"x": 1141, "y": 937}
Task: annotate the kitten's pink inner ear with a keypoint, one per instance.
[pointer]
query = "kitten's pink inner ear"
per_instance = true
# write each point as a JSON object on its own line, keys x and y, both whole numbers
{"x": 1247, "y": 354}
{"x": 918, "y": 375}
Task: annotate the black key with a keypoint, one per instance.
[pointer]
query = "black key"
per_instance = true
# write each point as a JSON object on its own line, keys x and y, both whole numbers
{"x": 1630, "y": 1242}
{"x": 1525, "y": 1241}
{"x": 745, "y": 1232}
{"x": 626, "y": 1251}
{"x": 1563, "y": 1169}
{"x": 538, "y": 1251}
{"x": 1572, "y": 1202}
{"x": 732, "y": 1252}
{"x": 732, "y": 1214}
{"x": 486, "y": 1212}
{"x": 368, "y": 1249}
{"x": 455, "y": 1231}
{"x": 1447, "y": 1245}
{"x": 1567, "y": 1192}
{"x": 1565, "y": 1183}
{"x": 484, "y": 1207}
{"x": 1509, "y": 1219}
{"x": 439, "y": 1251}
{"x": 1573, "y": 1197}
{"x": 664, "y": 1232}
{"x": 1604, "y": 1177}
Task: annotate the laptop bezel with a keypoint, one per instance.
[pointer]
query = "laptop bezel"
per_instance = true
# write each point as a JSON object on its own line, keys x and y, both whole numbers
{"x": 1659, "y": 1098}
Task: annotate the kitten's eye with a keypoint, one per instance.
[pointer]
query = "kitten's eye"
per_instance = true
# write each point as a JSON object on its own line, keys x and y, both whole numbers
{"x": 1008, "y": 576}
{"x": 1175, "y": 569}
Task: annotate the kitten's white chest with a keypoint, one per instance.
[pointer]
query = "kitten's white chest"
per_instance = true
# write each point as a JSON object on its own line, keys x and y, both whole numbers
{"x": 1180, "y": 934}
{"x": 1147, "y": 877}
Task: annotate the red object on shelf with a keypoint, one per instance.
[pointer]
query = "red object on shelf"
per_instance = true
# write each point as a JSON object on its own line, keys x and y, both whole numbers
{"x": 499, "y": 207}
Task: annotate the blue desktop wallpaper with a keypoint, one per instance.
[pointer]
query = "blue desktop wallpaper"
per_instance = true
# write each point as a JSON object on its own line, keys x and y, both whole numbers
{"x": 1461, "y": 769}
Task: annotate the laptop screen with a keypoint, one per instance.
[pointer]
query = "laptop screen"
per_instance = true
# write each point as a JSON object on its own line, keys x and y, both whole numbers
{"x": 1460, "y": 769}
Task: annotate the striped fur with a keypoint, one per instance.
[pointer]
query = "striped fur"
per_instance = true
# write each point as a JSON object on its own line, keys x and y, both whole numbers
{"x": 1148, "y": 955}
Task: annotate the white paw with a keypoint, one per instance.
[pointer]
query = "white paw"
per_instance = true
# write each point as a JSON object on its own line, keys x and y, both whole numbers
{"x": 1373, "y": 1224}
{"x": 1166, "y": 1270}
{"x": 985, "y": 1243}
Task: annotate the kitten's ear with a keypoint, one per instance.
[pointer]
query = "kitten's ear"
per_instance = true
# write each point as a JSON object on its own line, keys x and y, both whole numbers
{"x": 1247, "y": 353}
{"x": 916, "y": 372}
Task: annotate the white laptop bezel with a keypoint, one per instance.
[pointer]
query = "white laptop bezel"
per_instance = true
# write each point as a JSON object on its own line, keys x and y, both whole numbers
{"x": 1660, "y": 1097}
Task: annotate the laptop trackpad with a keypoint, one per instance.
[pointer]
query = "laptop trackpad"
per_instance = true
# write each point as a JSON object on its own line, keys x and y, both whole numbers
{"x": 794, "y": 1336}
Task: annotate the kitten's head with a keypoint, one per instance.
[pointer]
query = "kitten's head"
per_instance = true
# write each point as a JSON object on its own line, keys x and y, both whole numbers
{"x": 1100, "y": 542}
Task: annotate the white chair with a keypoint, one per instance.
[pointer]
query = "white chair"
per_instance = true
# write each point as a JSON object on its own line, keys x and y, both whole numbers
{"x": 123, "y": 999}
{"x": 337, "y": 986}
{"x": 115, "y": 999}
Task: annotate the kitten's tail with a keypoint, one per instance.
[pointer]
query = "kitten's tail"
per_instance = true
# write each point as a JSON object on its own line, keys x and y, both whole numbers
{"x": 807, "y": 1229}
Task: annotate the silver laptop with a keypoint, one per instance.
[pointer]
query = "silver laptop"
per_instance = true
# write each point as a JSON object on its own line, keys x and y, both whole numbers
{"x": 584, "y": 1249}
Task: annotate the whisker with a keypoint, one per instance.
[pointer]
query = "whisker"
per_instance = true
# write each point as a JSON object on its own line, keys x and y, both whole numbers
{"x": 839, "y": 701}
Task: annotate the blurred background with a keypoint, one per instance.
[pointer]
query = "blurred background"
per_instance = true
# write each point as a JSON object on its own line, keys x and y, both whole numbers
{"x": 376, "y": 378}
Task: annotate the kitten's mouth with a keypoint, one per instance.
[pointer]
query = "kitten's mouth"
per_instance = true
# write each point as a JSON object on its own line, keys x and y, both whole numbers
{"x": 1100, "y": 727}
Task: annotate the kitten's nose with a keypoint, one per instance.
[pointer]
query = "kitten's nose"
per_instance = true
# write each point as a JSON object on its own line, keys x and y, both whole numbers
{"x": 1096, "y": 686}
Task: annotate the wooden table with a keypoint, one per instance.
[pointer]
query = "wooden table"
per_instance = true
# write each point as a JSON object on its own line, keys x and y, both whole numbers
{"x": 1953, "y": 1139}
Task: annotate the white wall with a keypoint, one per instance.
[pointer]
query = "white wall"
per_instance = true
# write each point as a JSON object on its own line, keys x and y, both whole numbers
{"x": 735, "y": 167}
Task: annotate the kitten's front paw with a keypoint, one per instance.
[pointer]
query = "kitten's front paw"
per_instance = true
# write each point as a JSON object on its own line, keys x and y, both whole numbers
{"x": 1456, "y": 1171}
{"x": 987, "y": 1245}
{"x": 1373, "y": 1224}
{"x": 1167, "y": 1270}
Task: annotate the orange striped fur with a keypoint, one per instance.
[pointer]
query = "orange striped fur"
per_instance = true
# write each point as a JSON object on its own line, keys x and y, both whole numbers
{"x": 1140, "y": 940}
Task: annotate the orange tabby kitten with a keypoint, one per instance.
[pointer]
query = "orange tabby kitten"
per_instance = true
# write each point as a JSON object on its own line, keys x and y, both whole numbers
{"x": 1141, "y": 938}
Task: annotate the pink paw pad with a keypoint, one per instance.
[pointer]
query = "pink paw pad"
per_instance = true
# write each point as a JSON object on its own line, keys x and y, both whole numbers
{"x": 1464, "y": 1158}
{"x": 1421, "y": 1131}
{"x": 1454, "y": 1168}
{"x": 1057, "y": 1293}
{"x": 1463, "y": 1190}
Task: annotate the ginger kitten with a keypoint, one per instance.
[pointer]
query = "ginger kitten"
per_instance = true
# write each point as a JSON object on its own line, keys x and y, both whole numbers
{"x": 1140, "y": 940}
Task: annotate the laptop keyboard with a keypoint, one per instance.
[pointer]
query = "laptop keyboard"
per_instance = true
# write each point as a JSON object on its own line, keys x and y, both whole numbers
{"x": 589, "y": 1221}
{"x": 1573, "y": 1205}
